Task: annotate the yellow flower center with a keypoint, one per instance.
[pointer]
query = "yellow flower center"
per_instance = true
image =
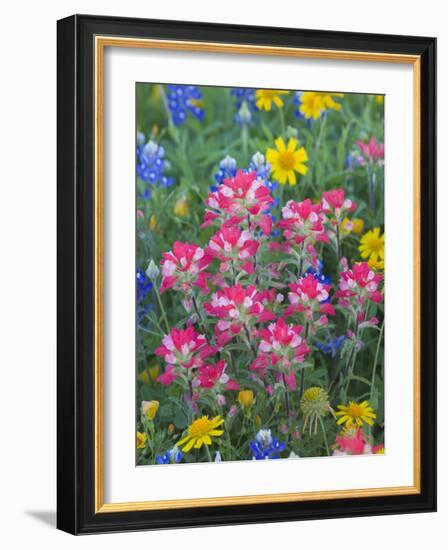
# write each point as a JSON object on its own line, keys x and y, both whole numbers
{"x": 375, "y": 244}
{"x": 268, "y": 93}
{"x": 354, "y": 410}
{"x": 286, "y": 160}
{"x": 312, "y": 394}
{"x": 200, "y": 427}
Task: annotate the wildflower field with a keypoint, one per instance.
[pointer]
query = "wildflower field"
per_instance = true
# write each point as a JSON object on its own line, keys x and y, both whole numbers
{"x": 259, "y": 274}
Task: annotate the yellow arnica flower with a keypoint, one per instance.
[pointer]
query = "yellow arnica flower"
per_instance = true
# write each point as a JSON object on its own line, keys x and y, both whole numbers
{"x": 379, "y": 99}
{"x": 200, "y": 431}
{"x": 352, "y": 226}
{"x": 372, "y": 247}
{"x": 265, "y": 98}
{"x": 355, "y": 414}
{"x": 150, "y": 408}
{"x": 313, "y": 104}
{"x": 286, "y": 160}
{"x": 141, "y": 440}
{"x": 181, "y": 207}
{"x": 246, "y": 398}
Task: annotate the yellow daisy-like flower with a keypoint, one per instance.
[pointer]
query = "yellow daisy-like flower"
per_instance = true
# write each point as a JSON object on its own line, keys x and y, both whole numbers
{"x": 265, "y": 98}
{"x": 200, "y": 431}
{"x": 355, "y": 414}
{"x": 379, "y": 99}
{"x": 246, "y": 398}
{"x": 286, "y": 160}
{"x": 141, "y": 440}
{"x": 312, "y": 104}
{"x": 372, "y": 247}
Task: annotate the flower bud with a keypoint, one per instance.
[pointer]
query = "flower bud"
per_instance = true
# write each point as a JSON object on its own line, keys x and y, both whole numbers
{"x": 150, "y": 408}
{"x": 246, "y": 398}
{"x": 152, "y": 271}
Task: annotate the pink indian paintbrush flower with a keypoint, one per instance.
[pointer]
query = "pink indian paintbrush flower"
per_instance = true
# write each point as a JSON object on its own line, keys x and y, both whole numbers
{"x": 352, "y": 443}
{"x": 358, "y": 285}
{"x": 281, "y": 346}
{"x": 309, "y": 297}
{"x": 233, "y": 247}
{"x": 237, "y": 307}
{"x": 240, "y": 199}
{"x": 302, "y": 225}
{"x": 303, "y": 221}
{"x": 335, "y": 204}
{"x": 182, "y": 348}
{"x": 371, "y": 151}
{"x": 184, "y": 267}
{"x": 214, "y": 376}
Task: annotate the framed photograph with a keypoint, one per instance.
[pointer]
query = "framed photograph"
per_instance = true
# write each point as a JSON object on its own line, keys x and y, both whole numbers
{"x": 246, "y": 274}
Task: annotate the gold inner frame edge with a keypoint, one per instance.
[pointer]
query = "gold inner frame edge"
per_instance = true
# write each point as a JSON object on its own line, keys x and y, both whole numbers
{"x": 101, "y": 42}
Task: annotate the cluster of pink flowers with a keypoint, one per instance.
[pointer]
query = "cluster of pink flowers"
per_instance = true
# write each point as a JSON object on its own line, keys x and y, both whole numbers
{"x": 211, "y": 376}
{"x": 234, "y": 248}
{"x": 182, "y": 349}
{"x": 238, "y": 293}
{"x": 309, "y": 297}
{"x": 243, "y": 197}
{"x": 359, "y": 284}
{"x": 184, "y": 266}
{"x": 281, "y": 346}
{"x": 371, "y": 151}
{"x": 237, "y": 307}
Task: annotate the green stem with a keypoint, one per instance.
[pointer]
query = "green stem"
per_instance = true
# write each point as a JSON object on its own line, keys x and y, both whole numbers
{"x": 286, "y": 396}
{"x": 325, "y": 436}
{"x": 371, "y": 185}
{"x": 207, "y": 451}
{"x": 338, "y": 243}
{"x": 249, "y": 342}
{"x": 200, "y": 319}
{"x": 162, "y": 309}
{"x": 372, "y": 383}
{"x": 282, "y": 122}
{"x": 244, "y": 141}
{"x": 302, "y": 382}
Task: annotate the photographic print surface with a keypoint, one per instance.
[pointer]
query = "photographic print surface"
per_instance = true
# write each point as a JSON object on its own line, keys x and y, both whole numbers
{"x": 259, "y": 274}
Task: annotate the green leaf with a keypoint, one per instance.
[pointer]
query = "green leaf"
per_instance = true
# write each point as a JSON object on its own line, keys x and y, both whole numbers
{"x": 180, "y": 419}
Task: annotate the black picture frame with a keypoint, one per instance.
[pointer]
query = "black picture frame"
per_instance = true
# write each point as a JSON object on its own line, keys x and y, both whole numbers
{"x": 75, "y": 309}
